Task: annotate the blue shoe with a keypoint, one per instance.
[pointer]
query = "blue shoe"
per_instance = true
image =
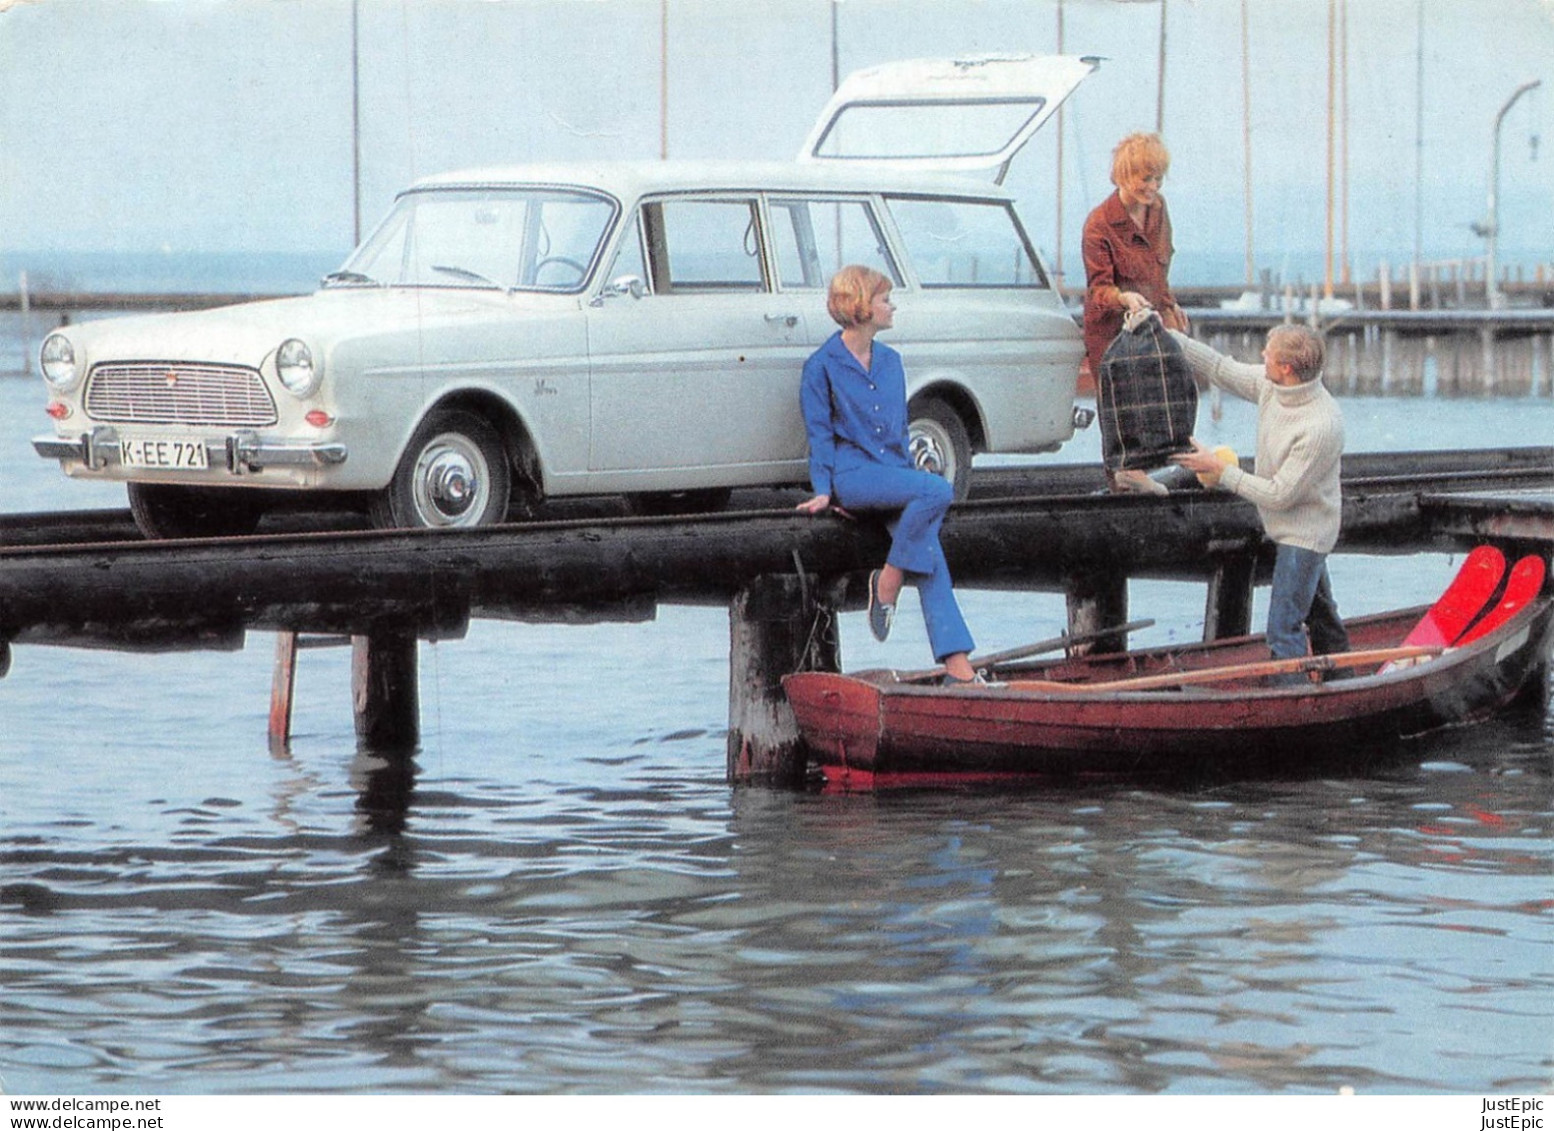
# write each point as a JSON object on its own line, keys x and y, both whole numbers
{"x": 880, "y": 614}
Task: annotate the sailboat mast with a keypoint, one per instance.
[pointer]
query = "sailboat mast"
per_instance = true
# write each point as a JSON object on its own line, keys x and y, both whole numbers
{"x": 1332, "y": 19}
{"x": 1058, "y": 258}
{"x": 1419, "y": 136}
{"x": 1246, "y": 137}
{"x": 356, "y": 132}
{"x": 1343, "y": 152}
{"x": 1160, "y": 80}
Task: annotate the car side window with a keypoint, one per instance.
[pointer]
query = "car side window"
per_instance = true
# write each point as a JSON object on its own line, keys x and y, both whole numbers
{"x": 699, "y": 246}
{"x": 966, "y": 243}
{"x": 814, "y": 238}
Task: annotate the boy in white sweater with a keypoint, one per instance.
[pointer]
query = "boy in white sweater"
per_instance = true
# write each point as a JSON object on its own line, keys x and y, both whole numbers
{"x": 1294, "y": 482}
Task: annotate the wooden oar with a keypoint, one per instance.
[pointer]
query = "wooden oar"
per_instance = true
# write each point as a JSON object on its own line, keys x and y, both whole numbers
{"x": 1322, "y": 663}
{"x": 994, "y": 659}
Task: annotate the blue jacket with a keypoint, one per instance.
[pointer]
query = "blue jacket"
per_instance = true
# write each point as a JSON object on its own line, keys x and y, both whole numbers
{"x": 854, "y": 418}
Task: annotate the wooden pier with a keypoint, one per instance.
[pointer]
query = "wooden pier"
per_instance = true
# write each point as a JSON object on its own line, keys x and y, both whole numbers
{"x": 87, "y": 580}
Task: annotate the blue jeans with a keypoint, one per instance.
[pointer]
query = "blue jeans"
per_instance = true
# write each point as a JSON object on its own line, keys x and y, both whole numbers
{"x": 1302, "y": 601}
{"x": 921, "y": 501}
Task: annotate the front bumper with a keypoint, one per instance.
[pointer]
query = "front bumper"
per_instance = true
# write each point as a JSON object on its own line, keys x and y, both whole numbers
{"x": 241, "y": 452}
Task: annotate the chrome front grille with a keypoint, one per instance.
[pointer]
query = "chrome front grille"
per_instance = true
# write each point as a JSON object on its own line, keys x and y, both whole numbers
{"x": 175, "y": 392}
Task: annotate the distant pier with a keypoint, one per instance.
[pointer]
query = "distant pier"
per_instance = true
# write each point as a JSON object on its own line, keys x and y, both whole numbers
{"x": 1430, "y": 333}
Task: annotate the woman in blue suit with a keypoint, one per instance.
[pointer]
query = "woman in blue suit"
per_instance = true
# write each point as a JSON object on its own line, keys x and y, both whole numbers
{"x": 855, "y": 411}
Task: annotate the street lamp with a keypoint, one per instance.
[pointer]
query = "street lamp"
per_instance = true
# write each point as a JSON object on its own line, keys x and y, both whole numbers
{"x": 1492, "y": 225}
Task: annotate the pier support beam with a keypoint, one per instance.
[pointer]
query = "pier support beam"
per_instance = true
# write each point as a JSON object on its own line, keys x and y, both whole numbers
{"x": 1095, "y": 602}
{"x": 384, "y": 690}
{"x": 1228, "y": 609}
{"x": 777, "y": 624}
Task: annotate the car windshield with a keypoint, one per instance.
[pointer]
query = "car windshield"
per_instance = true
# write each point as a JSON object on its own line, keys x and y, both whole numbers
{"x": 508, "y": 239}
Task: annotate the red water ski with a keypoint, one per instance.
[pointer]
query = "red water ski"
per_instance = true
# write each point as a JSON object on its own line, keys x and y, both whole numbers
{"x": 1469, "y": 593}
{"x": 1525, "y": 583}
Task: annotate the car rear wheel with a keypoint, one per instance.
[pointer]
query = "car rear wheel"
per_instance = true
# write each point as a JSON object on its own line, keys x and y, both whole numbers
{"x": 167, "y": 511}
{"x": 454, "y": 473}
{"x": 940, "y": 443}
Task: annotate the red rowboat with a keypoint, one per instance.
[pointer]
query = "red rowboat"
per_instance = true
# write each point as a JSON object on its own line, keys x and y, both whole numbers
{"x": 1203, "y": 711}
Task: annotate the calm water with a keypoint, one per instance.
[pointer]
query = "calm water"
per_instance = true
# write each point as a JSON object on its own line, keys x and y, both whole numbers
{"x": 565, "y": 896}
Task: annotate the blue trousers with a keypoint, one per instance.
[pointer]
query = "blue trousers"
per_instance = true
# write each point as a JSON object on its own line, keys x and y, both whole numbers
{"x": 1302, "y": 600}
{"x": 920, "y": 500}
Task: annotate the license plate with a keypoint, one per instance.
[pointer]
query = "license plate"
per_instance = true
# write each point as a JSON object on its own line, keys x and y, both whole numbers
{"x": 189, "y": 455}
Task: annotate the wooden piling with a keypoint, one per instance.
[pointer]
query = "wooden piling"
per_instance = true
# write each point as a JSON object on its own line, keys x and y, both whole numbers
{"x": 384, "y": 690}
{"x": 1096, "y": 601}
{"x": 283, "y": 682}
{"x": 1227, "y": 610}
{"x": 25, "y": 306}
{"x": 777, "y": 624}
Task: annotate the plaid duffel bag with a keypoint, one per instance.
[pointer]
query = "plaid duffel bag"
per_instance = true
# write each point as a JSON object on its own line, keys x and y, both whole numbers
{"x": 1145, "y": 396}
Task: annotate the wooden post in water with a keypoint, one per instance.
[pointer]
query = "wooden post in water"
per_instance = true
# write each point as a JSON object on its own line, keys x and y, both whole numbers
{"x": 1487, "y": 347}
{"x": 384, "y": 690}
{"x": 1096, "y": 602}
{"x": 282, "y": 683}
{"x": 778, "y": 624}
{"x": 1227, "y": 611}
{"x": 25, "y": 301}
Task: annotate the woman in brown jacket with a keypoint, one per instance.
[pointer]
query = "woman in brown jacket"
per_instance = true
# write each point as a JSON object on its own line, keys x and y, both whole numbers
{"x": 1127, "y": 252}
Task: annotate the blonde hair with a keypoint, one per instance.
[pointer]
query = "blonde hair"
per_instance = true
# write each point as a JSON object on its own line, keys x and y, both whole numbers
{"x": 1137, "y": 155}
{"x": 851, "y": 296}
{"x": 1299, "y": 347}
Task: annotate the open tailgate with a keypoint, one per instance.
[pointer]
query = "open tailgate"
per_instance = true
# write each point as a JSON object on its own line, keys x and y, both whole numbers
{"x": 947, "y": 115}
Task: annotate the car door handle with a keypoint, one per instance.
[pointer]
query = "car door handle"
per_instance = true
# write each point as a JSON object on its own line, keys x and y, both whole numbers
{"x": 788, "y": 320}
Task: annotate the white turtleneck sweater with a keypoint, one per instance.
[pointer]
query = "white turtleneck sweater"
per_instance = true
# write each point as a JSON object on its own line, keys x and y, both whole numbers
{"x": 1300, "y": 440}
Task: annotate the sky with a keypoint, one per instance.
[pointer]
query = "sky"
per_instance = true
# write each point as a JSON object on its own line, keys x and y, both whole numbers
{"x": 184, "y": 127}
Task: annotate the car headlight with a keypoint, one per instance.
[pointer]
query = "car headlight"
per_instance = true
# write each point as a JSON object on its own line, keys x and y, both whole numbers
{"x": 294, "y": 365}
{"x": 57, "y": 358}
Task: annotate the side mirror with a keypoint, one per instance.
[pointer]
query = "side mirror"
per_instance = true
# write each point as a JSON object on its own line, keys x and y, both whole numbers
{"x": 626, "y": 285}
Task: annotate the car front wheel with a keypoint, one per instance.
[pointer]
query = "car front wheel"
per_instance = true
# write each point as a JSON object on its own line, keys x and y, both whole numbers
{"x": 166, "y": 511}
{"x": 454, "y": 473}
{"x": 940, "y": 443}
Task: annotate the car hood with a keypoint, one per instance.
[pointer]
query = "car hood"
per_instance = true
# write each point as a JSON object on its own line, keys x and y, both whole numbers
{"x": 246, "y": 333}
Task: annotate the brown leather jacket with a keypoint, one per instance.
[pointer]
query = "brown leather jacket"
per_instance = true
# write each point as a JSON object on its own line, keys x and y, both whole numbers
{"x": 1121, "y": 257}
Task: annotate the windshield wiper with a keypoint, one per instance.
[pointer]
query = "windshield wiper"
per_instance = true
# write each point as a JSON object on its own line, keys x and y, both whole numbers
{"x": 466, "y": 273}
{"x": 350, "y": 277}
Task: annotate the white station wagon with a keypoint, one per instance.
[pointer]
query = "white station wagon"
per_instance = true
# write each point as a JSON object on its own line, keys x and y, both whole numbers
{"x": 512, "y": 334}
